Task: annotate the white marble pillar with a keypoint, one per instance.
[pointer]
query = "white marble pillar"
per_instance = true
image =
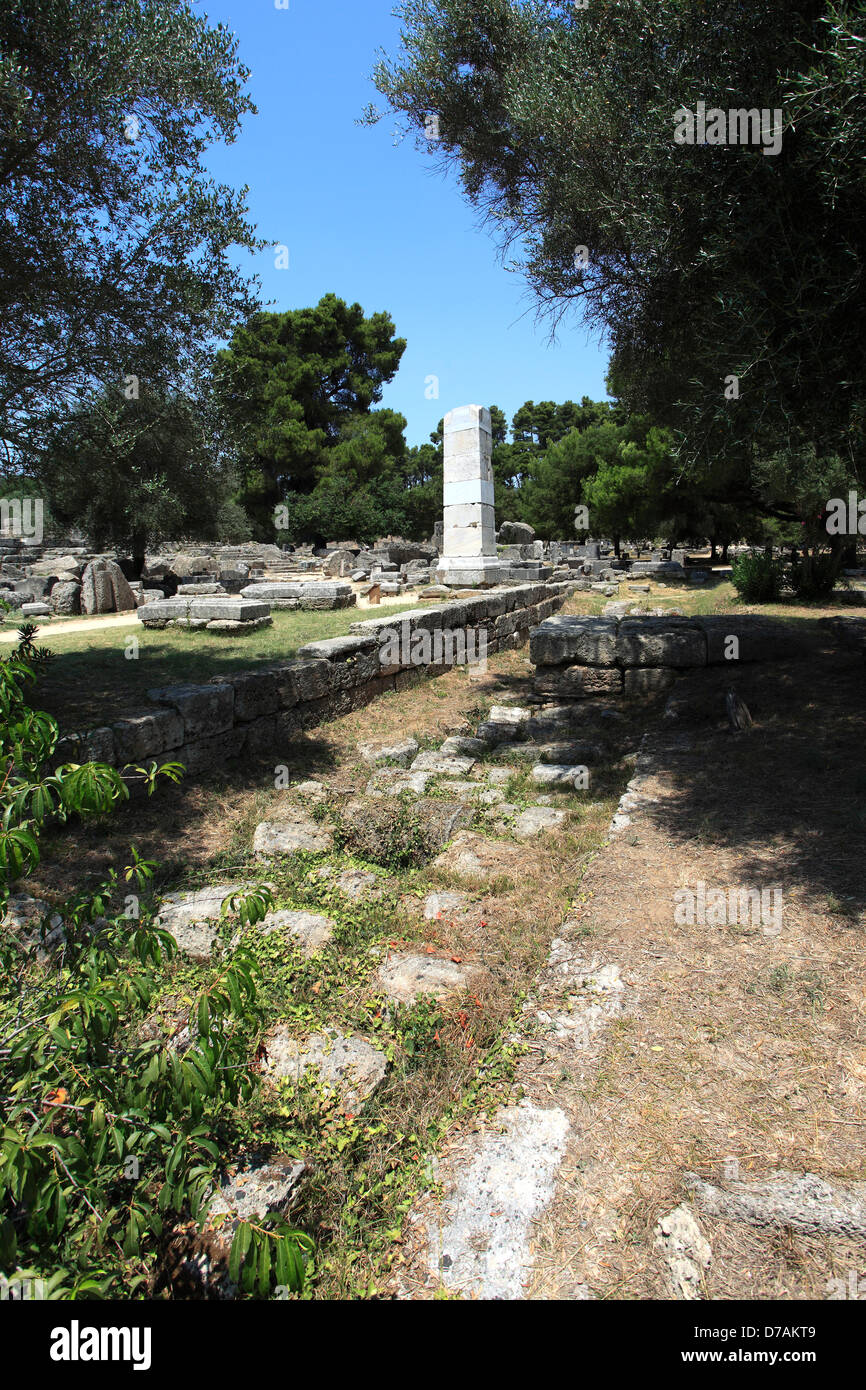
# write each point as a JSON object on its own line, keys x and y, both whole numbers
{"x": 468, "y": 553}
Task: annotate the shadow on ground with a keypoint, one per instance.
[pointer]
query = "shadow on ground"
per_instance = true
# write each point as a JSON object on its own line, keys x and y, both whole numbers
{"x": 789, "y": 794}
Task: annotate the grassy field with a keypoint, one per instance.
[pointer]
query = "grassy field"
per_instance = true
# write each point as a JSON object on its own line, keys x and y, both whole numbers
{"x": 91, "y": 677}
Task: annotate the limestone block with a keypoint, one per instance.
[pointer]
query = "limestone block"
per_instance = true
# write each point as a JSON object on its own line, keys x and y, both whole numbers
{"x": 566, "y": 641}
{"x": 311, "y": 930}
{"x": 404, "y": 977}
{"x": 577, "y": 682}
{"x": 291, "y": 834}
{"x": 301, "y": 681}
{"x": 757, "y": 639}
{"x": 676, "y": 642}
{"x": 147, "y": 735}
{"x": 205, "y": 753}
{"x": 66, "y": 598}
{"x": 256, "y": 693}
{"x": 104, "y": 589}
{"x": 643, "y": 682}
{"x": 206, "y": 710}
{"x": 350, "y": 1066}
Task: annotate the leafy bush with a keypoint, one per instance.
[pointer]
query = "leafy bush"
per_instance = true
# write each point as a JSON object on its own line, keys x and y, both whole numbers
{"x": 814, "y": 576}
{"x": 106, "y": 1142}
{"x": 758, "y": 577}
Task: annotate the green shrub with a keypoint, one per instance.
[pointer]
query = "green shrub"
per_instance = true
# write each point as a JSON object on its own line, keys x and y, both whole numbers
{"x": 814, "y": 576}
{"x": 757, "y": 577}
{"x": 106, "y": 1141}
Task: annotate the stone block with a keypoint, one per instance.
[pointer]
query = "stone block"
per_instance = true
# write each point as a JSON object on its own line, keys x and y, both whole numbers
{"x": 206, "y": 710}
{"x": 351, "y": 1067}
{"x": 291, "y": 834}
{"x": 644, "y": 682}
{"x": 405, "y": 977}
{"x": 300, "y": 681}
{"x": 194, "y": 918}
{"x": 66, "y": 598}
{"x": 443, "y": 764}
{"x": 757, "y": 639}
{"x": 211, "y": 609}
{"x": 147, "y": 735}
{"x": 311, "y": 930}
{"x": 577, "y": 682}
{"x": 256, "y": 693}
{"x": 397, "y": 751}
{"x": 567, "y": 641}
{"x": 206, "y": 753}
{"x": 674, "y": 642}
{"x": 261, "y": 735}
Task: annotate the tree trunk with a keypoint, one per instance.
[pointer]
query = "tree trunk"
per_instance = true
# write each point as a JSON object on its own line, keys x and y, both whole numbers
{"x": 139, "y": 548}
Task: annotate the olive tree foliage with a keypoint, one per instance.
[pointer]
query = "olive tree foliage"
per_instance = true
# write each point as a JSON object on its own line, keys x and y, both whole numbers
{"x": 115, "y": 246}
{"x": 131, "y": 473}
{"x": 698, "y": 263}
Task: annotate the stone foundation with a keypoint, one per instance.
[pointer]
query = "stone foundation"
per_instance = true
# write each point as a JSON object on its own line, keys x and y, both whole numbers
{"x": 254, "y": 712}
{"x": 584, "y": 658}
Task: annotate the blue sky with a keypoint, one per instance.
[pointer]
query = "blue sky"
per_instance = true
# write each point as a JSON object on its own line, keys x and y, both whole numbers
{"x": 375, "y": 222}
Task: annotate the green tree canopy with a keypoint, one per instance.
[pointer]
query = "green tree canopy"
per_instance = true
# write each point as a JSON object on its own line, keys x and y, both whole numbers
{"x": 114, "y": 251}
{"x": 698, "y": 262}
{"x": 297, "y": 389}
{"x": 132, "y": 472}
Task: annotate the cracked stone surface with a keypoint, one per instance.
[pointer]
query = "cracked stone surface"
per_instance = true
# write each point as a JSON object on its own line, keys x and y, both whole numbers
{"x": 595, "y": 997}
{"x": 493, "y": 797}
{"x": 350, "y": 1066}
{"x": 311, "y": 929}
{"x": 464, "y": 746}
{"x": 405, "y": 976}
{"x": 258, "y": 1188}
{"x": 444, "y": 903}
{"x": 193, "y": 918}
{"x": 443, "y": 764}
{"x": 535, "y": 820}
{"x": 400, "y": 751}
{"x": 685, "y": 1252}
{"x": 472, "y": 790}
{"x": 292, "y": 833}
{"x": 475, "y": 856}
{"x": 311, "y": 791}
{"x": 799, "y": 1201}
{"x": 393, "y": 781}
{"x": 24, "y": 916}
{"x": 478, "y": 1238}
{"x": 358, "y": 883}
{"x": 553, "y": 775}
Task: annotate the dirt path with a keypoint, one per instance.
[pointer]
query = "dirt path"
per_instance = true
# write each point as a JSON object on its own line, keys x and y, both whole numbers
{"x": 667, "y": 1052}
{"x": 59, "y": 629}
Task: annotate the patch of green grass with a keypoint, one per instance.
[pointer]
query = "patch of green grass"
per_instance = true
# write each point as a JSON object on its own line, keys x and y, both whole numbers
{"x": 91, "y": 679}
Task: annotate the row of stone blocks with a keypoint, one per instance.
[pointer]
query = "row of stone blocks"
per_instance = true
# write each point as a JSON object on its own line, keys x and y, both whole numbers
{"x": 577, "y": 658}
{"x": 252, "y": 712}
{"x": 251, "y": 608}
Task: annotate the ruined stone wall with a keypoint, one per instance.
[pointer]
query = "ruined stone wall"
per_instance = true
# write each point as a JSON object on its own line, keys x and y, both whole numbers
{"x": 254, "y": 711}
{"x": 586, "y": 658}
